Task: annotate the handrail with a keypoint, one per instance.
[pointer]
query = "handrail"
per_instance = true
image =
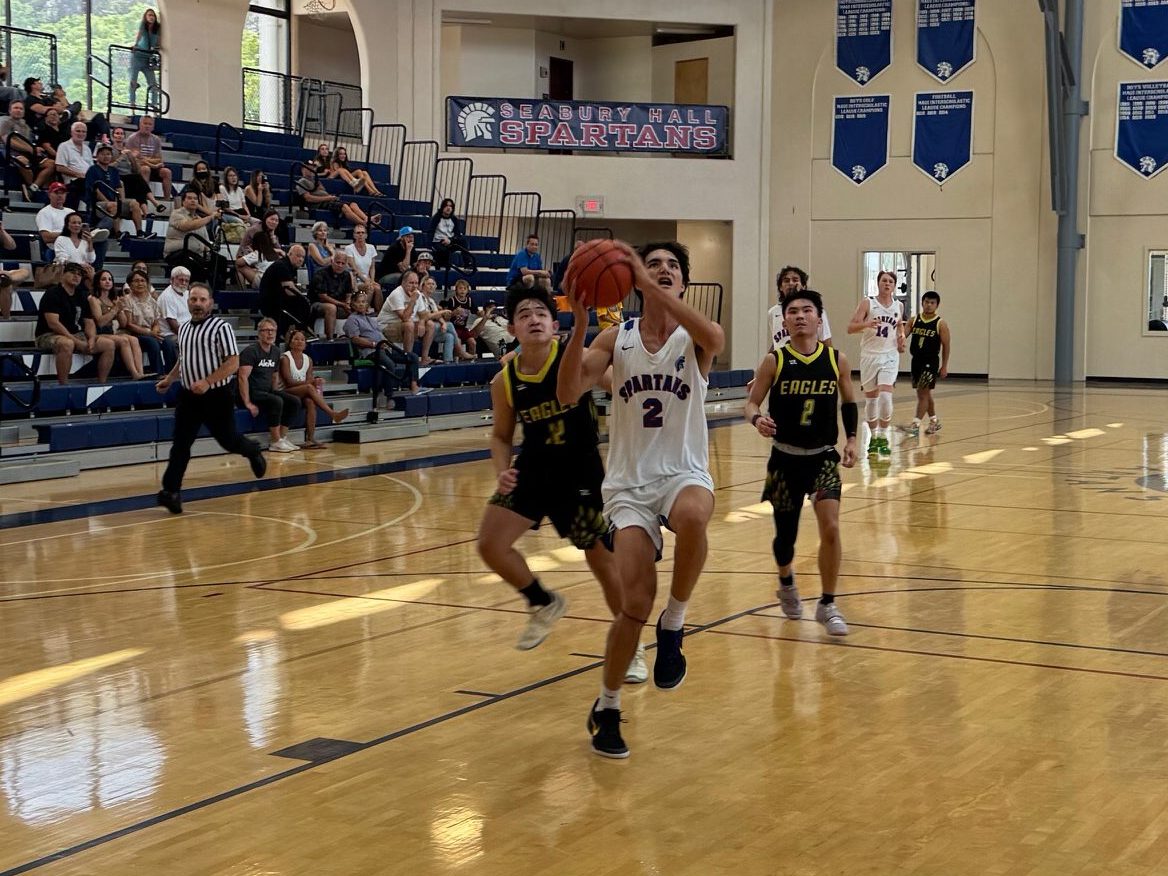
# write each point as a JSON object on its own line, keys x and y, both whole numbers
{"x": 10, "y": 31}
{"x": 294, "y": 174}
{"x": 107, "y": 84}
{"x": 388, "y": 138}
{"x": 35, "y": 398}
{"x": 220, "y": 145}
{"x": 359, "y": 111}
{"x": 160, "y": 108}
{"x": 9, "y": 158}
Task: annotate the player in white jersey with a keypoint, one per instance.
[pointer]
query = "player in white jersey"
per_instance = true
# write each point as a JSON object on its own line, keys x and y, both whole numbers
{"x": 788, "y": 280}
{"x": 881, "y": 320}
{"x": 657, "y": 462}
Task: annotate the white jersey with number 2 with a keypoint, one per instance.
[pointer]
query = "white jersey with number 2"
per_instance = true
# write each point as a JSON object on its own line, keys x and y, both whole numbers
{"x": 881, "y": 339}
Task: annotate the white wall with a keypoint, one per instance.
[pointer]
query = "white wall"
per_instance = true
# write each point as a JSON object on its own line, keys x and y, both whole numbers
{"x": 202, "y": 44}
{"x": 720, "y": 53}
{"x": 618, "y": 68}
{"x": 497, "y": 61}
{"x": 325, "y": 52}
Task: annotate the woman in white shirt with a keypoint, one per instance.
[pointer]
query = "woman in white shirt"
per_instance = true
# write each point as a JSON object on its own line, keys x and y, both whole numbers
{"x": 258, "y": 250}
{"x": 76, "y": 245}
{"x": 298, "y": 379}
{"x": 444, "y": 332}
{"x": 362, "y": 257}
{"x": 232, "y": 192}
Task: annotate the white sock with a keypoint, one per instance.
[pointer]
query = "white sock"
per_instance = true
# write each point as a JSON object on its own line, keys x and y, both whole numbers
{"x": 933, "y": 417}
{"x": 916, "y": 421}
{"x": 609, "y": 699}
{"x": 673, "y": 618}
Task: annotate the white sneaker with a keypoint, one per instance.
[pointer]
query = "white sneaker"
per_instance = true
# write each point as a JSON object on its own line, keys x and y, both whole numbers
{"x": 934, "y": 427}
{"x": 790, "y": 602}
{"x": 830, "y": 617}
{"x": 638, "y": 669}
{"x": 540, "y": 622}
{"x": 283, "y": 446}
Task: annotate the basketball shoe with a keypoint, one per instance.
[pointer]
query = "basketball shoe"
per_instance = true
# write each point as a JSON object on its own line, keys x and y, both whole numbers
{"x": 540, "y": 622}
{"x": 638, "y": 672}
{"x": 604, "y": 726}
{"x": 830, "y": 617}
{"x": 669, "y": 667}
{"x": 790, "y": 602}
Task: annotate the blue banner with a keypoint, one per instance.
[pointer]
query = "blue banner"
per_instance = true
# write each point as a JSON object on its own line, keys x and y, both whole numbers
{"x": 863, "y": 38}
{"x": 1143, "y": 31}
{"x": 946, "y": 33}
{"x": 942, "y": 133}
{"x": 1141, "y": 130}
{"x": 585, "y": 125}
{"x": 859, "y": 136}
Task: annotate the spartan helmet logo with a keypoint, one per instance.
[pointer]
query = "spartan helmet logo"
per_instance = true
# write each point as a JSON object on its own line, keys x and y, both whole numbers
{"x": 1147, "y": 165}
{"x": 476, "y": 121}
{"x": 1151, "y": 57}
{"x": 859, "y": 172}
{"x": 940, "y": 170}
{"x": 944, "y": 70}
{"x": 863, "y": 74}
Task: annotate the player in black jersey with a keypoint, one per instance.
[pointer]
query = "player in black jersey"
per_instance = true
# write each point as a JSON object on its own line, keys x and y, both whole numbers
{"x": 806, "y": 381}
{"x": 557, "y": 474}
{"x": 929, "y": 347}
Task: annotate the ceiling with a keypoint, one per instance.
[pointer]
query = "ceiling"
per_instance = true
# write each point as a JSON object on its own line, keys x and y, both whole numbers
{"x": 576, "y": 28}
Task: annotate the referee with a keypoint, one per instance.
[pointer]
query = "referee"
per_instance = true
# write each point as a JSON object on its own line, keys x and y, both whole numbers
{"x": 207, "y": 361}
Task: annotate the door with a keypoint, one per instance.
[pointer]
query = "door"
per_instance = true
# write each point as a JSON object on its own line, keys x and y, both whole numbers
{"x": 691, "y": 81}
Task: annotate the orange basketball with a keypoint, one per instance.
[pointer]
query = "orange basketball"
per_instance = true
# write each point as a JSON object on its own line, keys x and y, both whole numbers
{"x": 602, "y": 275}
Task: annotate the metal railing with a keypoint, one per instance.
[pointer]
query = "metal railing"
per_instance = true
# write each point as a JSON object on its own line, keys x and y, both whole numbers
{"x": 418, "y": 164}
{"x": 520, "y": 215}
{"x": 706, "y": 297}
{"x": 300, "y": 105}
{"x": 452, "y": 178}
{"x": 29, "y": 53}
{"x": 125, "y": 64}
{"x": 585, "y": 233}
{"x": 482, "y": 214}
{"x": 220, "y": 144}
{"x": 95, "y": 98}
{"x": 557, "y": 231}
{"x": 18, "y": 365}
{"x": 351, "y": 127}
{"x": 385, "y": 146}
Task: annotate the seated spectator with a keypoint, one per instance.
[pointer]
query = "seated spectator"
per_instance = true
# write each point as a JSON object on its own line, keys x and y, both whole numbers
{"x": 75, "y": 244}
{"x": 461, "y": 310}
{"x": 322, "y": 162}
{"x": 438, "y": 318}
{"x": 448, "y": 236}
{"x": 207, "y": 188}
{"x": 107, "y": 197}
{"x": 131, "y": 173}
{"x": 299, "y": 380}
{"x": 331, "y": 292}
{"x": 258, "y": 193}
{"x": 259, "y": 250}
{"x": 11, "y": 273}
{"x": 50, "y": 222}
{"x": 357, "y": 178}
{"x": 146, "y": 147}
{"x": 146, "y": 325}
{"x": 393, "y": 367}
{"x": 8, "y": 93}
{"x": 185, "y": 220}
{"x": 51, "y": 132}
{"x": 280, "y": 297}
{"x": 423, "y": 261}
{"x": 58, "y": 329}
{"x": 108, "y": 315}
{"x": 398, "y": 258}
{"x": 172, "y": 301}
{"x": 492, "y": 328}
{"x": 143, "y": 266}
{"x": 258, "y": 366}
{"x": 74, "y": 159}
{"x": 231, "y": 192}
{"x": 310, "y": 193}
{"x": 362, "y": 255}
{"x": 319, "y": 249}
{"x": 527, "y": 261}
{"x": 36, "y": 102}
{"x": 397, "y": 317}
{"x": 97, "y": 126}
{"x": 34, "y": 164}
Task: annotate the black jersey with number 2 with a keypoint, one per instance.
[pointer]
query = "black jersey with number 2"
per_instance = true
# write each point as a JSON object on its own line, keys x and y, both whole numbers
{"x": 804, "y": 398}
{"x": 925, "y": 338}
{"x": 549, "y": 428}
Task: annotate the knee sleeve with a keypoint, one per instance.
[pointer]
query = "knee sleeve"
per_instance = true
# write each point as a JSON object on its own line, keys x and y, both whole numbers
{"x": 870, "y": 409}
{"x": 786, "y": 533}
{"x": 885, "y": 405}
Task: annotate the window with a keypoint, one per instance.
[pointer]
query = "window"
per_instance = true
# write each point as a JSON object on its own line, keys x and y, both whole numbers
{"x": 1158, "y": 292}
{"x": 916, "y": 274}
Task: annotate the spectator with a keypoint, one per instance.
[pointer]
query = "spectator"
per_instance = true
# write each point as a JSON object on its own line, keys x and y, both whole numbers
{"x": 259, "y": 250}
{"x": 204, "y": 183}
{"x": 361, "y": 256}
{"x": 397, "y": 317}
{"x": 258, "y": 193}
{"x": 146, "y": 325}
{"x": 75, "y": 244}
{"x": 231, "y": 192}
{"x": 398, "y": 258}
{"x": 74, "y": 159}
{"x": 185, "y": 220}
{"x": 424, "y": 261}
{"x": 461, "y": 309}
{"x": 36, "y": 102}
{"x": 172, "y": 301}
{"x": 108, "y": 315}
{"x": 131, "y": 173}
{"x": 527, "y": 261}
{"x": 142, "y": 59}
{"x": 447, "y": 235}
{"x": 280, "y": 297}
{"x": 50, "y": 222}
{"x": 311, "y": 193}
{"x": 331, "y": 292}
{"x": 393, "y": 367}
{"x": 357, "y": 178}
{"x": 258, "y": 366}
{"x": 51, "y": 132}
{"x": 143, "y": 266}
{"x": 107, "y": 197}
{"x": 96, "y": 125}
{"x": 32, "y": 162}
{"x": 11, "y": 273}
{"x": 58, "y": 330}
{"x": 438, "y": 317}
{"x": 299, "y": 380}
{"x": 492, "y": 328}
{"x": 146, "y": 147}
{"x": 322, "y": 162}
{"x": 319, "y": 250}
{"x": 8, "y": 93}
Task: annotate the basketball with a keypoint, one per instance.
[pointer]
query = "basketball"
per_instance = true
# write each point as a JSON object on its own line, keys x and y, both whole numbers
{"x": 601, "y": 273}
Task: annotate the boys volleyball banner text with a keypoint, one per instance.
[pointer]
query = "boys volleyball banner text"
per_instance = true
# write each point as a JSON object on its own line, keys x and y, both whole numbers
{"x": 589, "y": 126}
{"x": 945, "y": 36}
{"x": 863, "y": 38}
{"x": 1141, "y": 130}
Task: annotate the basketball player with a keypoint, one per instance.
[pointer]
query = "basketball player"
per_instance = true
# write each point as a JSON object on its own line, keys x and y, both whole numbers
{"x": 658, "y": 462}
{"x": 787, "y": 281}
{"x": 558, "y": 473}
{"x": 929, "y": 348}
{"x": 806, "y": 380}
{"x": 881, "y": 321}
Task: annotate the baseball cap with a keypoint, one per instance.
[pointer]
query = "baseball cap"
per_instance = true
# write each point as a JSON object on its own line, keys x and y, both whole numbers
{"x": 404, "y": 230}
{"x": 58, "y": 187}
{"x": 424, "y": 254}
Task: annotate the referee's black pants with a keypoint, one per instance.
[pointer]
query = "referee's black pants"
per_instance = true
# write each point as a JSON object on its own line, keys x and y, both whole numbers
{"x": 215, "y": 409}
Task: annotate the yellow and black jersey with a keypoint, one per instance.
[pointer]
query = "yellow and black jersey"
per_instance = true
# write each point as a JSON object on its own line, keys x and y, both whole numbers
{"x": 549, "y": 428}
{"x": 925, "y": 338}
{"x": 804, "y": 398}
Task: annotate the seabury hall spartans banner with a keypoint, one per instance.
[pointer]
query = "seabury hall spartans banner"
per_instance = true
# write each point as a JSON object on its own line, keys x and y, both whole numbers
{"x": 1141, "y": 131}
{"x": 863, "y": 38}
{"x": 945, "y": 36}
{"x": 859, "y": 136}
{"x": 589, "y": 126}
{"x": 943, "y": 133}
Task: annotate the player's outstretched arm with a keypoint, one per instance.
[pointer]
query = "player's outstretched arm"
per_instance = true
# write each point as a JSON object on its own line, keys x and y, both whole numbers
{"x": 502, "y": 435}
{"x": 859, "y": 320}
{"x": 943, "y": 331}
{"x": 848, "y": 410}
{"x": 580, "y": 368}
{"x": 764, "y": 377}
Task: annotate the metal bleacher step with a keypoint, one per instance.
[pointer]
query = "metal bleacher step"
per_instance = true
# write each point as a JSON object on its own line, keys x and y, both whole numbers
{"x": 23, "y": 471}
{"x": 384, "y": 430}
{"x": 21, "y": 451}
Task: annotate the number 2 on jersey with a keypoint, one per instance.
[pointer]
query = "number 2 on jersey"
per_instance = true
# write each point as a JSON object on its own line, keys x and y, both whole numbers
{"x": 556, "y": 430}
{"x": 808, "y": 412}
{"x": 653, "y": 418}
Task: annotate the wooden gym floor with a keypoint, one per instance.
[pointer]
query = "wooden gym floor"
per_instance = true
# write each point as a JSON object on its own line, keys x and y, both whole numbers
{"x": 320, "y": 679}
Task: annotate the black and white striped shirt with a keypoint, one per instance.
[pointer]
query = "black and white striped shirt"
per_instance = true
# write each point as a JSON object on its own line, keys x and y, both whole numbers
{"x": 202, "y": 348}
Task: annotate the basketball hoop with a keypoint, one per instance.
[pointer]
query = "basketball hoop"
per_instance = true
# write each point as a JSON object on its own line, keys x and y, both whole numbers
{"x": 316, "y": 7}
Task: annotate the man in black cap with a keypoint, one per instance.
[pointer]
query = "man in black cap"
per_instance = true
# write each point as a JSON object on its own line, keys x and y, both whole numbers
{"x": 398, "y": 258}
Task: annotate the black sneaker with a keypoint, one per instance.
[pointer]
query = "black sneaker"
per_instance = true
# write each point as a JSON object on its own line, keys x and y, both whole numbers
{"x": 259, "y": 465}
{"x": 669, "y": 667}
{"x": 170, "y": 501}
{"x": 604, "y": 725}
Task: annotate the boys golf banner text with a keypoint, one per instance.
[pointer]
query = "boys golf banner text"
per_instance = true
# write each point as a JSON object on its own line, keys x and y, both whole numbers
{"x": 586, "y": 126}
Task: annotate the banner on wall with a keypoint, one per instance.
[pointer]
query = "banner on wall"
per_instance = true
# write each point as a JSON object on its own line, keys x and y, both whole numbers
{"x": 859, "y": 136}
{"x": 586, "y": 125}
{"x": 946, "y": 31}
{"x": 942, "y": 133}
{"x": 1141, "y": 130}
{"x": 863, "y": 38}
{"x": 1143, "y": 31}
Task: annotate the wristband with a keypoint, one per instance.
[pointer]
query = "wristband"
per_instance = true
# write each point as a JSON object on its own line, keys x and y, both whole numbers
{"x": 851, "y": 417}
{"x": 754, "y": 420}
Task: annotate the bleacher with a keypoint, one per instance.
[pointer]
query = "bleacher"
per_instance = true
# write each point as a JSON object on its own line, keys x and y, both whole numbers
{"x": 51, "y": 430}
